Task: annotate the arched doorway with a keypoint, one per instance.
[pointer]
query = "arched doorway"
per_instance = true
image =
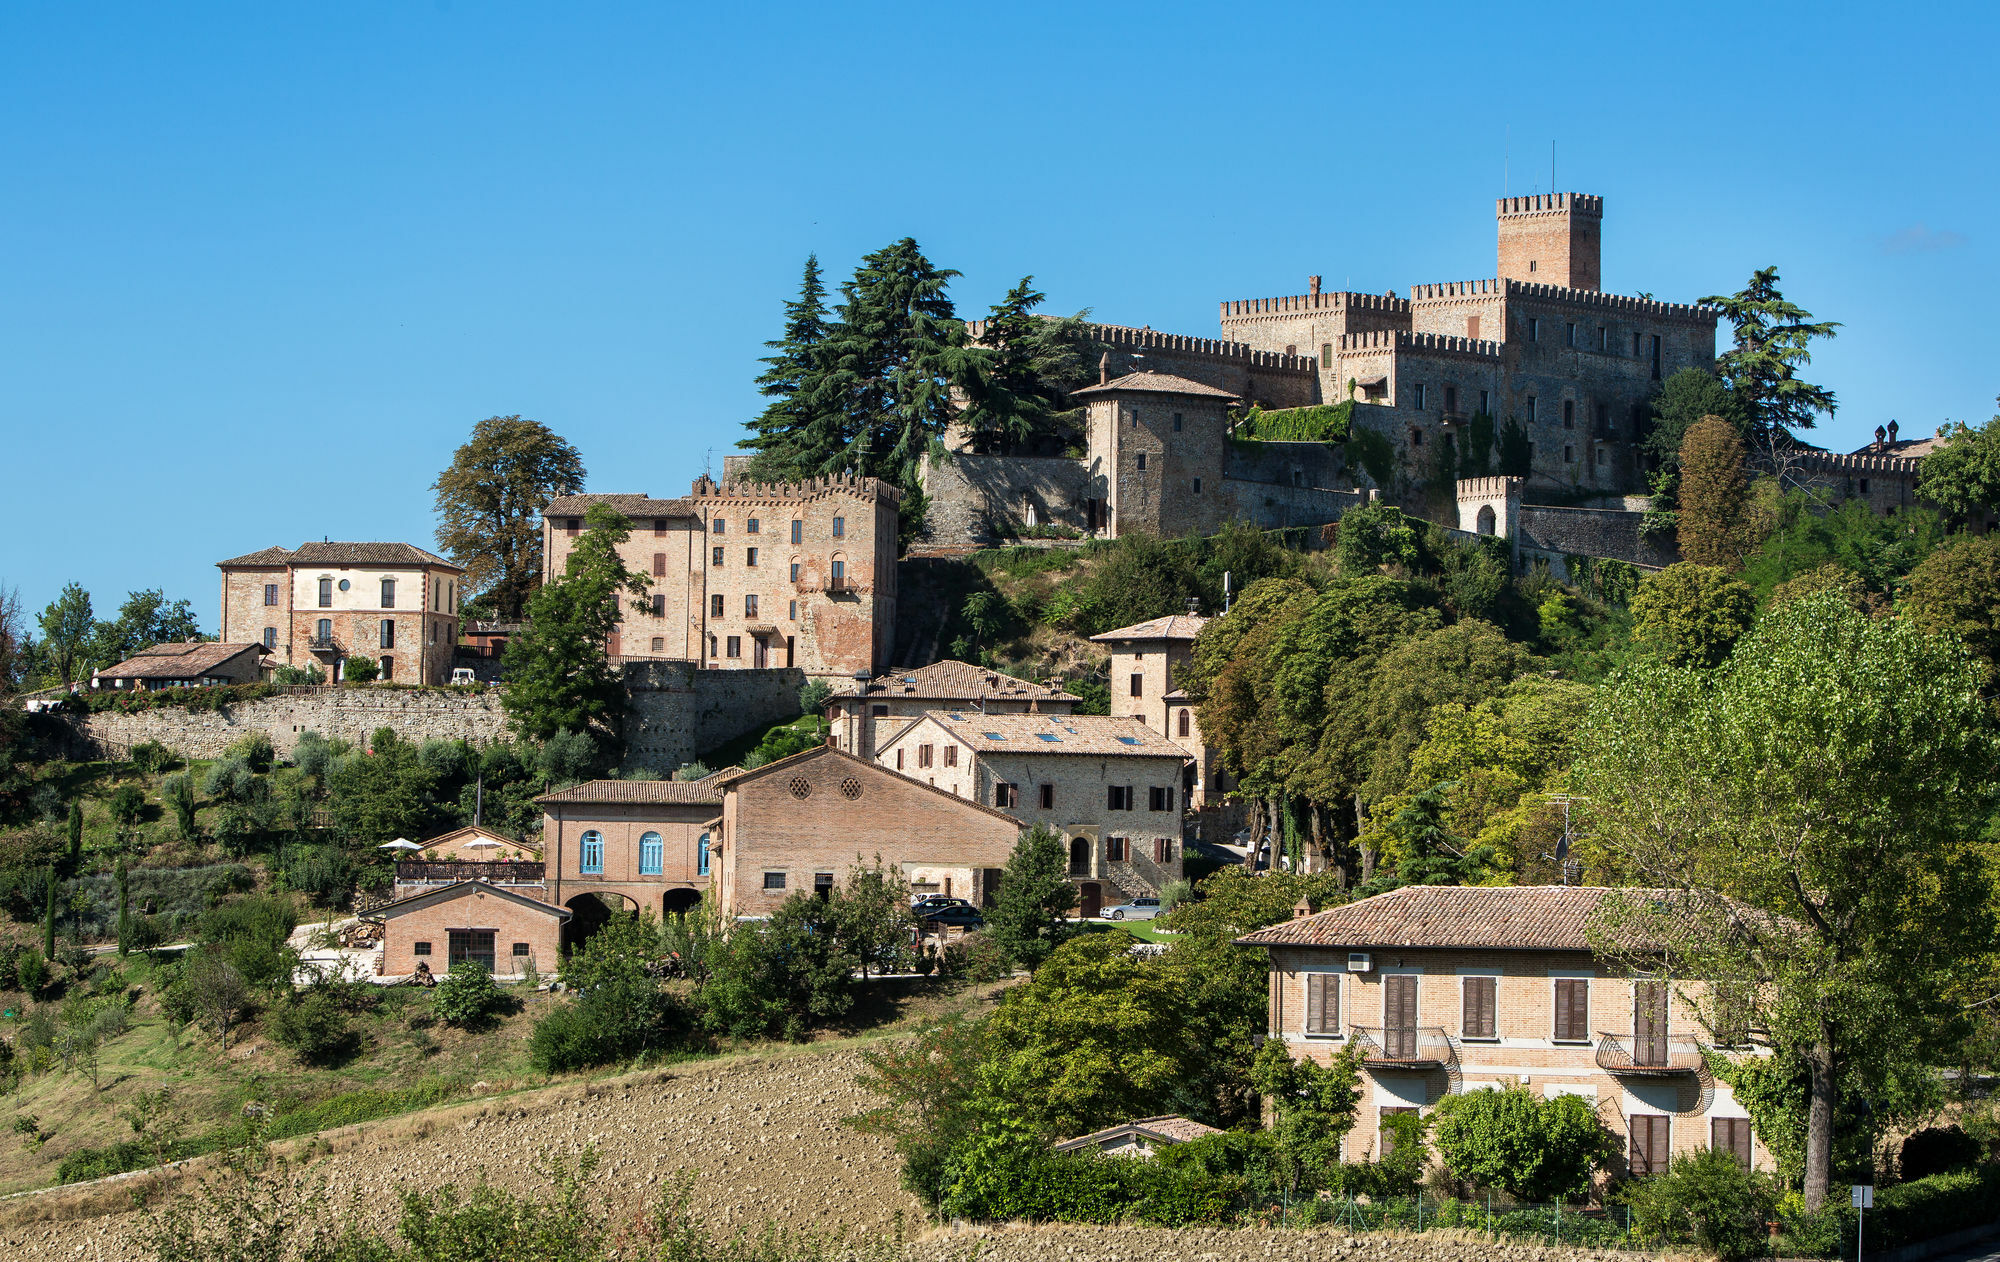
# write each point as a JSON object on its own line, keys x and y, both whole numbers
{"x": 1486, "y": 519}
{"x": 591, "y": 912}
{"x": 679, "y": 902}
{"x": 1093, "y": 899}
{"x": 1079, "y": 856}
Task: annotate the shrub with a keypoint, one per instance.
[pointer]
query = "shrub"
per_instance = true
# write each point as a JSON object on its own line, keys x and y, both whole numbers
{"x": 1937, "y": 1149}
{"x": 294, "y": 676}
{"x": 314, "y": 1024}
{"x": 31, "y": 969}
{"x": 359, "y": 670}
{"x": 254, "y": 748}
{"x": 128, "y": 803}
{"x": 152, "y": 757}
{"x": 1537, "y": 1150}
{"x": 994, "y": 1179}
{"x": 1705, "y": 1199}
{"x": 569, "y": 757}
{"x": 467, "y": 996}
{"x": 982, "y": 958}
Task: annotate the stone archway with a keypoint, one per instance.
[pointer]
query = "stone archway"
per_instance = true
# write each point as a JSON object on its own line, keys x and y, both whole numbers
{"x": 591, "y": 912}
{"x": 1079, "y": 856}
{"x": 679, "y": 902}
{"x": 1487, "y": 519}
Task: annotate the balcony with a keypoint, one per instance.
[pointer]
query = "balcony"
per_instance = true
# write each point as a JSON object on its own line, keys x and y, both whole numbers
{"x": 1404, "y": 1047}
{"x": 1631, "y": 1057}
{"x": 452, "y": 871}
{"x": 323, "y": 644}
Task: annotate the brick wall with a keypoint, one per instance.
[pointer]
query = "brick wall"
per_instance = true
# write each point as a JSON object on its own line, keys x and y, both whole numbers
{"x": 509, "y": 921}
{"x": 622, "y": 826}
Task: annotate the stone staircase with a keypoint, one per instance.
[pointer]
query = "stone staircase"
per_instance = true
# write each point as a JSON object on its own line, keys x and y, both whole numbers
{"x": 1129, "y": 882}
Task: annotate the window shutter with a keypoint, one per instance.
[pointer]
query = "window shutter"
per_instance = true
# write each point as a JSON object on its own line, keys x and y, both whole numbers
{"x": 1732, "y": 1134}
{"x": 1479, "y": 1002}
{"x": 1315, "y": 1003}
{"x": 1639, "y": 1133}
{"x": 1662, "y": 1129}
{"x": 1330, "y": 1003}
{"x": 1572, "y": 1009}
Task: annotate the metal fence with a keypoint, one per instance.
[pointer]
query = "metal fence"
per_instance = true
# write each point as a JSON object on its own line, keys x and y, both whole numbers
{"x": 1551, "y": 1224}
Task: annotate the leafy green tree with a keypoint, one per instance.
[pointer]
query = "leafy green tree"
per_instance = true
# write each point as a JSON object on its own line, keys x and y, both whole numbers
{"x": 145, "y": 619}
{"x": 1685, "y": 398}
{"x": 490, "y": 502}
{"x": 872, "y": 912}
{"x": 1715, "y": 525}
{"x": 1804, "y": 534}
{"x": 1029, "y": 916}
{"x": 1375, "y": 536}
{"x": 1692, "y": 615}
{"x": 785, "y": 976}
{"x": 929, "y": 1086}
{"x": 1423, "y": 850}
{"x": 1773, "y": 341}
{"x": 208, "y": 990}
{"x": 359, "y": 669}
{"x": 559, "y": 673}
{"x": 1707, "y": 1200}
{"x": 1956, "y": 592}
{"x": 1018, "y": 401}
{"x": 1533, "y": 1149}
{"x": 1313, "y": 1108}
{"x": 378, "y": 797}
{"x": 1813, "y": 803}
{"x": 793, "y": 439}
{"x": 68, "y": 629}
{"x": 1962, "y": 474}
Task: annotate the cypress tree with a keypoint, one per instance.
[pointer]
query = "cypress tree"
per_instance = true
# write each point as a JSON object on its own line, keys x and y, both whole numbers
{"x": 790, "y": 437}
{"x": 1715, "y": 526}
{"x": 124, "y": 909}
{"x": 49, "y": 917}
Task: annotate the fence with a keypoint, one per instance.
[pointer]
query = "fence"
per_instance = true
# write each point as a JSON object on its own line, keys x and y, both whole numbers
{"x": 1549, "y": 1224}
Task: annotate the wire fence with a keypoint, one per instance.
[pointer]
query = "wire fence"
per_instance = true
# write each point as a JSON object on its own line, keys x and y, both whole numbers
{"x": 1548, "y": 1223}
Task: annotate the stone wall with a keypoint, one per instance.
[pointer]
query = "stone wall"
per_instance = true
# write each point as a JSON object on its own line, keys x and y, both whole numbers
{"x": 1594, "y": 532}
{"x": 348, "y": 713}
{"x": 1066, "y": 1242}
{"x": 675, "y": 710}
{"x": 974, "y": 500}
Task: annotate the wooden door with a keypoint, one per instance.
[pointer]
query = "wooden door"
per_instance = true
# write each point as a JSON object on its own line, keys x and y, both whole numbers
{"x": 1649, "y": 1023}
{"x": 1399, "y": 1016}
{"x": 1093, "y": 899}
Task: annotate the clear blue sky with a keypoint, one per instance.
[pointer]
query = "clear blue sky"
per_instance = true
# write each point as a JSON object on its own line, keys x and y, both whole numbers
{"x": 263, "y": 266}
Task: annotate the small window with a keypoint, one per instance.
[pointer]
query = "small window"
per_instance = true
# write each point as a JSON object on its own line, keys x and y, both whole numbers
{"x": 1635, "y": 346}
{"x": 659, "y": 565}
{"x": 659, "y": 526}
{"x": 1531, "y": 409}
{"x": 652, "y": 854}
{"x": 1601, "y": 343}
{"x": 388, "y": 633}
{"x": 951, "y": 755}
{"x": 571, "y": 525}
{"x": 1048, "y": 797}
{"x": 1182, "y": 723}
{"x": 1326, "y": 353}
{"x": 794, "y": 612}
{"x": 388, "y": 669}
{"x": 1569, "y": 414}
{"x": 720, "y": 526}
{"x": 270, "y": 593}
{"x": 1731, "y": 1135}
{"x": 1534, "y": 325}
{"x": 712, "y": 643}
{"x": 659, "y": 643}
{"x": 420, "y": 948}
{"x": 323, "y": 630}
{"x": 774, "y": 880}
{"x": 1569, "y": 455}
{"x": 1601, "y": 454}
{"x": 1416, "y": 437}
{"x": 1006, "y": 795}
{"x": 1322, "y": 1003}
{"x": 798, "y": 532}
{"x": 840, "y": 528}
{"x": 749, "y": 606}
{"x": 590, "y": 858}
{"x": 1138, "y": 684}
{"x": 270, "y": 637}
{"x": 521, "y": 951}
{"x": 1142, "y": 462}
{"x": 752, "y": 526}
{"x": 326, "y": 593}
{"x": 1569, "y": 335}
{"x": 899, "y": 760}
{"x": 734, "y": 647}
{"x": 701, "y": 856}
{"x": 926, "y": 754}
{"x": 715, "y": 556}
{"x": 1420, "y": 396}
{"x": 795, "y": 571}
{"x": 389, "y": 593}
{"x": 839, "y": 568}
{"x": 1118, "y": 797}
{"x": 659, "y": 606}
{"x": 1197, "y": 486}
{"x": 1114, "y": 849}
{"x": 750, "y": 557}
{"x": 1177, "y": 422}
{"x": 1485, "y": 405}
{"x": 715, "y": 606}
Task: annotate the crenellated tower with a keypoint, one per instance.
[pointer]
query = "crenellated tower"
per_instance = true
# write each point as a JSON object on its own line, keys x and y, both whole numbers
{"x": 1552, "y": 239}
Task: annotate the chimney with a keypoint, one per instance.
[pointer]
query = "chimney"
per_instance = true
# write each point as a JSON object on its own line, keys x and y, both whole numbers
{"x": 1104, "y": 368}
{"x": 1312, "y": 285}
{"x": 1879, "y": 431}
{"x": 1302, "y": 910}
{"x": 1892, "y": 431}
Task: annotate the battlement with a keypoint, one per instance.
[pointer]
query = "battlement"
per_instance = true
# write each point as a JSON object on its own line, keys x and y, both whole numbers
{"x": 1489, "y": 488}
{"x": 1613, "y": 302}
{"x": 707, "y": 488}
{"x": 1551, "y": 204}
{"x": 1123, "y": 337}
{"x": 1456, "y": 289}
{"x": 1404, "y": 340}
{"x": 1863, "y": 462}
{"x": 1297, "y": 303}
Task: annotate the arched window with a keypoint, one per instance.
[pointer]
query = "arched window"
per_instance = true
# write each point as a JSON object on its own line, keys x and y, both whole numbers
{"x": 1486, "y": 519}
{"x": 1183, "y": 723}
{"x": 651, "y": 854}
{"x": 701, "y": 857}
{"x": 591, "y": 857}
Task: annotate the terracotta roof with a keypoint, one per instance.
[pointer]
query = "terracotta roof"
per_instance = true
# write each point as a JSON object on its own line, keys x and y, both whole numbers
{"x": 477, "y": 831}
{"x": 446, "y": 893}
{"x": 1090, "y": 734}
{"x": 189, "y": 659}
{"x": 961, "y": 681}
{"x": 272, "y": 555}
{"x": 335, "y": 552}
{"x": 1167, "y": 1128}
{"x": 706, "y": 791}
{"x": 737, "y": 774}
{"x": 1524, "y": 917}
{"x": 1908, "y": 448}
{"x": 1177, "y": 626}
{"x": 1155, "y": 383}
{"x": 640, "y": 505}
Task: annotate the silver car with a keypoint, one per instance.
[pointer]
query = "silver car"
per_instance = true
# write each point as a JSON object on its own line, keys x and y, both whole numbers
{"x": 1137, "y": 909}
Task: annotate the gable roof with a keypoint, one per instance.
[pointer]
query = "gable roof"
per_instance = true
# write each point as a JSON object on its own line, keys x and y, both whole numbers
{"x": 180, "y": 659}
{"x": 706, "y": 791}
{"x": 1488, "y": 918}
{"x": 1088, "y": 734}
{"x": 1155, "y": 383}
{"x": 1167, "y": 1128}
{"x": 273, "y": 555}
{"x": 738, "y": 776}
{"x": 640, "y": 505}
{"x": 462, "y": 889}
{"x": 1176, "y": 626}
{"x": 336, "y": 552}
{"x": 951, "y": 680}
{"x": 478, "y": 830}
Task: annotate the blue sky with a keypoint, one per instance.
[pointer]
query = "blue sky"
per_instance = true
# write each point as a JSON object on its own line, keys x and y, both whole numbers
{"x": 263, "y": 266}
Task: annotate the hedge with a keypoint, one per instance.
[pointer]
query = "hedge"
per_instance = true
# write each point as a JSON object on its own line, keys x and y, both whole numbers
{"x": 1045, "y": 1186}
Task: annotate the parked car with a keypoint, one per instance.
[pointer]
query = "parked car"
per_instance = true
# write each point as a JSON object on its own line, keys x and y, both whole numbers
{"x": 1137, "y": 909}
{"x": 963, "y": 916}
{"x": 931, "y": 902}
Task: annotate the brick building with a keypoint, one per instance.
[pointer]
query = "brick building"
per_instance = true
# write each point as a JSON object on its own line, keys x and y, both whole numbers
{"x": 1114, "y": 788}
{"x": 1453, "y": 989}
{"x": 889, "y": 702}
{"x": 321, "y": 603}
{"x": 188, "y": 664}
{"x": 639, "y": 844}
{"x": 751, "y": 575}
{"x": 508, "y": 930}
{"x": 803, "y": 822}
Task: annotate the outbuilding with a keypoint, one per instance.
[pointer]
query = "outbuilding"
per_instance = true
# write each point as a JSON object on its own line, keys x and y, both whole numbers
{"x": 473, "y": 920}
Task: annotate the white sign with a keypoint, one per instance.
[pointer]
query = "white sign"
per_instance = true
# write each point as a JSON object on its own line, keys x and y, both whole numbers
{"x": 1864, "y": 1196}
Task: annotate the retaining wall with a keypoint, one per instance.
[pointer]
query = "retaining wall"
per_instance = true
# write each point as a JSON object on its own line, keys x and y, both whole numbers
{"x": 348, "y": 713}
{"x": 977, "y": 500}
{"x": 675, "y": 710}
{"x": 1594, "y": 532}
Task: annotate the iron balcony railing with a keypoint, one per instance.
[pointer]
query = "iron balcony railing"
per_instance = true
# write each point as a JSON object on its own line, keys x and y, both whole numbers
{"x": 1404, "y": 1047}
{"x": 452, "y": 871}
{"x": 1647, "y": 1057}
{"x": 323, "y": 644}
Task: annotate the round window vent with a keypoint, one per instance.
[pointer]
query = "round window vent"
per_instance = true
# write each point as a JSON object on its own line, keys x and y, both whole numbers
{"x": 801, "y": 787}
{"x": 850, "y": 788}
{"x": 343, "y": 584}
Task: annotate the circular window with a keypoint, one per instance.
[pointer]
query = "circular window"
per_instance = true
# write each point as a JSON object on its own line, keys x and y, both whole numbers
{"x": 850, "y": 788}
{"x": 343, "y": 584}
{"x": 801, "y": 787}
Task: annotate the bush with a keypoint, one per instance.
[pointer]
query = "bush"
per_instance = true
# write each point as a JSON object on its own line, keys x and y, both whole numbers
{"x": 1535, "y": 1149}
{"x": 981, "y": 958}
{"x": 31, "y": 969}
{"x": 1705, "y": 1199}
{"x": 359, "y": 670}
{"x": 467, "y": 996}
{"x": 315, "y": 1025}
{"x": 255, "y": 749}
{"x": 127, "y": 803}
{"x": 152, "y": 757}
{"x": 1936, "y": 1150}
{"x": 991, "y": 1179}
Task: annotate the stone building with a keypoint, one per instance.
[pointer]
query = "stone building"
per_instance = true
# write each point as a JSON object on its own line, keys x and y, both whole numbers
{"x": 1145, "y": 659}
{"x": 1453, "y": 989}
{"x": 889, "y": 702}
{"x": 751, "y": 575}
{"x": 189, "y": 664}
{"x": 321, "y": 603}
{"x": 1157, "y": 444}
{"x": 1114, "y": 788}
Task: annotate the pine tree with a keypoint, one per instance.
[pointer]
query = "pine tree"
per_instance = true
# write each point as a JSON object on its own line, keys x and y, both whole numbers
{"x": 1773, "y": 341}
{"x": 787, "y": 436}
{"x": 1018, "y": 399}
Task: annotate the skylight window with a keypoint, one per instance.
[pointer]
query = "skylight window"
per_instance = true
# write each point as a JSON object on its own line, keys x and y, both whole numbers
{"x": 993, "y": 736}
{"x": 1128, "y": 740}
{"x": 1050, "y": 737}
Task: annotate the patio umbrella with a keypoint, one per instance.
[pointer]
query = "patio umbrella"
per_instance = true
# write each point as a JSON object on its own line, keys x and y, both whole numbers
{"x": 400, "y": 843}
{"x": 482, "y": 845}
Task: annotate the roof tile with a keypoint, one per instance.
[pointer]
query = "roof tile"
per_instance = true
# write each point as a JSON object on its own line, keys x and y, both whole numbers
{"x": 1090, "y": 734}
{"x": 1155, "y": 383}
{"x": 1527, "y": 918}
{"x": 951, "y": 680}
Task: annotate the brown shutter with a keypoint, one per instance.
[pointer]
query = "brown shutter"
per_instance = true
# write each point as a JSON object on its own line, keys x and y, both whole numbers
{"x": 1649, "y": 1023}
{"x": 1662, "y": 1131}
{"x": 1331, "y": 1004}
{"x": 1315, "y": 1004}
{"x": 659, "y": 565}
{"x": 1651, "y": 1135}
{"x": 1732, "y": 1134}
{"x": 1479, "y": 1005}
{"x": 1399, "y": 1015}
{"x": 1572, "y": 1009}
{"x": 1638, "y": 1134}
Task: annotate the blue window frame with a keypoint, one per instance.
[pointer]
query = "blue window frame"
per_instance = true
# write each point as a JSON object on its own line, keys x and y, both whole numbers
{"x": 701, "y": 857}
{"x": 652, "y": 854}
{"x": 592, "y": 855}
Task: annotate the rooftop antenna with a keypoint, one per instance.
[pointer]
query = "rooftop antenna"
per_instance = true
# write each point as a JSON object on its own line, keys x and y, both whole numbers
{"x": 1552, "y": 167}
{"x": 1571, "y": 871}
{"x": 1506, "y": 159}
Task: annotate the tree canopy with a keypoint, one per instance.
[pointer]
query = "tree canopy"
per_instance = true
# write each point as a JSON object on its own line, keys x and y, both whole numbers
{"x": 1772, "y": 342}
{"x": 559, "y": 671}
{"x": 490, "y": 502}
